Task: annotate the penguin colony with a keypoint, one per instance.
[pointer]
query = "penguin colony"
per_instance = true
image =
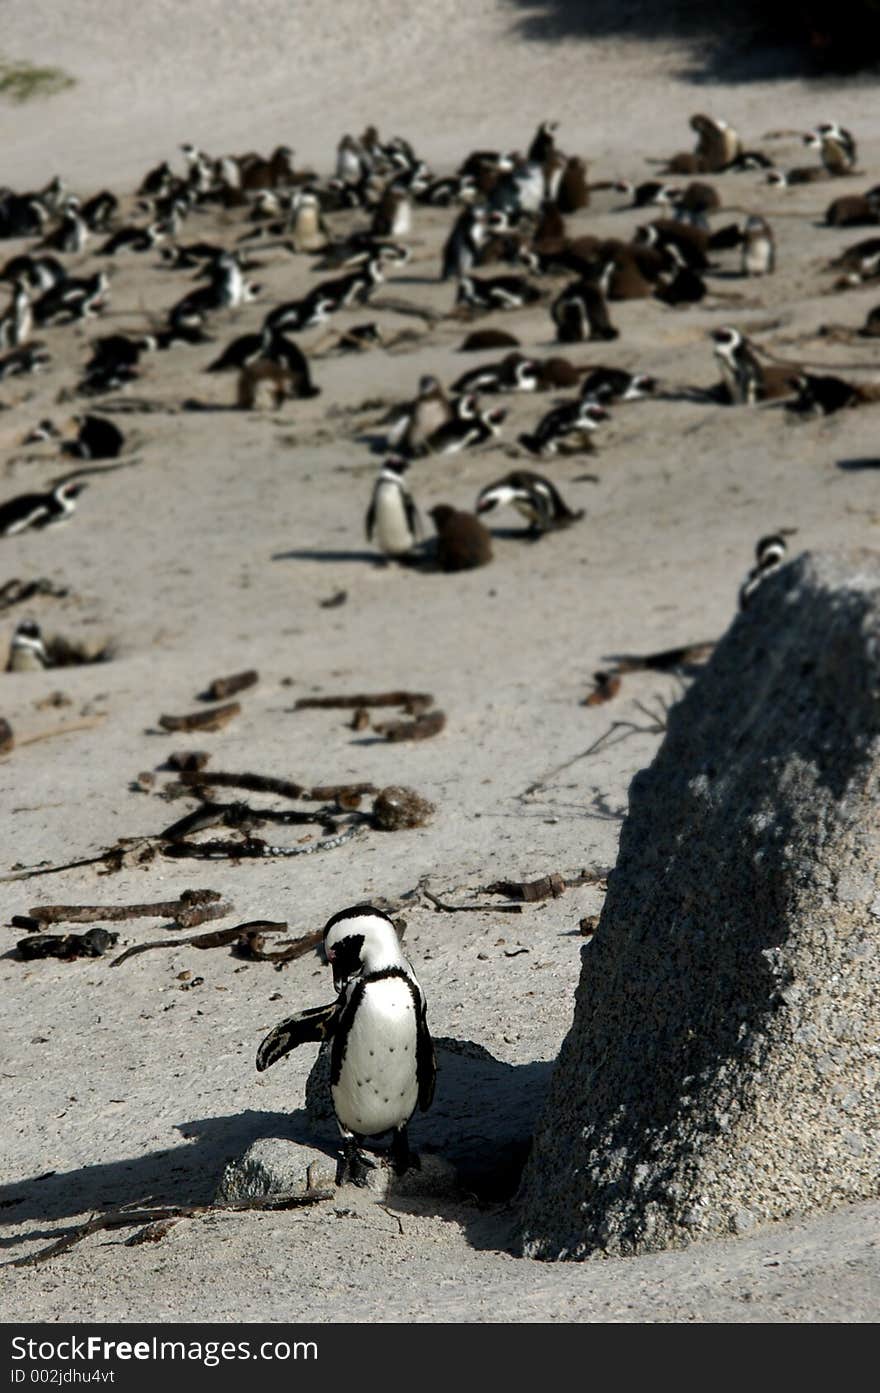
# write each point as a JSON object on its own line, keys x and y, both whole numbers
{"x": 510, "y": 243}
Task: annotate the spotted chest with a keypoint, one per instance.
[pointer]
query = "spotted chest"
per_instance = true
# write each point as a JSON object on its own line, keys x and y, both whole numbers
{"x": 374, "y": 1075}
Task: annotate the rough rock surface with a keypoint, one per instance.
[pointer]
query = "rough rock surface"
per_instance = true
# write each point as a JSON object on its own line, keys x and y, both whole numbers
{"x": 722, "y": 1066}
{"x": 272, "y": 1166}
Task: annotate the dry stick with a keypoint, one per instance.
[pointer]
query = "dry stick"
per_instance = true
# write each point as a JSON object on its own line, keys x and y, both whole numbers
{"x": 127, "y": 1218}
{"x": 414, "y": 702}
{"x": 219, "y": 938}
{"x": 223, "y": 687}
{"x": 88, "y": 724}
{"x": 297, "y": 948}
{"x": 202, "y": 720}
{"x": 255, "y": 783}
{"x": 205, "y": 904}
{"x": 625, "y": 729}
{"x": 422, "y": 728}
{"x": 471, "y": 908}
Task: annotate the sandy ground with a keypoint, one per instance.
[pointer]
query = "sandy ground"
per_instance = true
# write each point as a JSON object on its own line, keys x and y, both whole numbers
{"x": 212, "y": 554}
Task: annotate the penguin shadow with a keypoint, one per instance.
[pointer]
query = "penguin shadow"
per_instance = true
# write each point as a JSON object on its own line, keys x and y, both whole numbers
{"x": 314, "y": 554}
{"x": 480, "y": 1123}
{"x": 853, "y": 466}
{"x": 188, "y": 1174}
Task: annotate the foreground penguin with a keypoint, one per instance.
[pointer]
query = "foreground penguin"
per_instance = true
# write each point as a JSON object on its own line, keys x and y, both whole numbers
{"x": 50, "y": 509}
{"x": 381, "y": 1055}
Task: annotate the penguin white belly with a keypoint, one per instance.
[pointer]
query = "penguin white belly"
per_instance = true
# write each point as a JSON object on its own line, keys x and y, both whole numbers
{"x": 758, "y": 258}
{"x": 392, "y": 534}
{"x": 378, "y": 1086}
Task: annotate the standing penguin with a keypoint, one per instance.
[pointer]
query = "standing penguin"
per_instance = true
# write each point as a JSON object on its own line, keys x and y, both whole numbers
{"x": 27, "y": 651}
{"x": 381, "y": 1054}
{"x": 758, "y": 247}
{"x": 393, "y": 519}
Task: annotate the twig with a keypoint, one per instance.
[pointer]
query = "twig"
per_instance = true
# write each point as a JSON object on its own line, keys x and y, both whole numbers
{"x": 128, "y": 1218}
{"x": 191, "y": 908}
{"x": 202, "y": 720}
{"x": 223, "y": 687}
{"x": 471, "y": 908}
{"x": 219, "y": 938}
{"x": 254, "y": 847}
{"x": 422, "y": 728}
{"x": 88, "y": 724}
{"x": 620, "y": 730}
{"x": 255, "y": 783}
{"x": 414, "y": 703}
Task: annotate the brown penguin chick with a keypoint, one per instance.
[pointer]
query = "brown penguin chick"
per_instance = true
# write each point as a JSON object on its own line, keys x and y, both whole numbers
{"x": 266, "y": 381}
{"x": 854, "y": 210}
{"x": 717, "y": 143}
{"x": 698, "y": 198}
{"x": 573, "y": 191}
{"x": 622, "y": 277}
{"x": 556, "y": 373}
{"x": 686, "y": 162}
{"x": 550, "y": 228}
{"x": 871, "y": 327}
{"x": 309, "y": 231}
{"x": 462, "y": 541}
{"x": 482, "y": 339}
{"x": 430, "y": 410}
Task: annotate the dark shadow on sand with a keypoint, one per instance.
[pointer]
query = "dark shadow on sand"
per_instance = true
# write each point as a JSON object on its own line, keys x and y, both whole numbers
{"x": 746, "y": 43}
{"x": 853, "y": 466}
{"x": 481, "y": 1121}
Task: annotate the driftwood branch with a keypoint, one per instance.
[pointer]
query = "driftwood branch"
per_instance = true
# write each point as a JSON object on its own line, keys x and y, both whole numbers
{"x": 202, "y": 720}
{"x": 223, "y": 687}
{"x": 129, "y": 1218}
{"x": 414, "y": 703}
{"x": 191, "y": 908}
{"x": 218, "y": 938}
{"x": 422, "y": 728}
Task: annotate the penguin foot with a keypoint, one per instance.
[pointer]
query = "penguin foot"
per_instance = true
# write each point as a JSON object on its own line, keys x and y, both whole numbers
{"x": 354, "y": 1166}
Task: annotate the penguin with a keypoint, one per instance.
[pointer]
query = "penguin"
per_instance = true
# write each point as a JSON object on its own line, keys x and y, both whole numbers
{"x": 72, "y": 232}
{"x": 157, "y": 180}
{"x": 569, "y": 425}
{"x": 468, "y": 428}
{"x": 97, "y": 438}
{"x": 535, "y": 497}
{"x": 114, "y": 362}
{"x": 574, "y": 191}
{"x": 745, "y": 379}
{"x": 580, "y": 312}
{"x": 462, "y": 247}
{"x": 871, "y": 327}
{"x": 50, "y": 509}
{"x": 272, "y": 374}
{"x": 623, "y": 269}
{"x": 691, "y": 243}
{"x": 133, "y": 239}
{"x": 496, "y": 292}
{"x": 309, "y": 233}
{"x": 382, "y": 1063}
{"x": 770, "y": 553}
{"x": 543, "y": 142}
{"x": 27, "y": 651}
{"x": 17, "y": 323}
{"x": 225, "y": 290}
{"x": 393, "y": 214}
{"x": 515, "y": 373}
{"x": 822, "y": 395}
{"x": 431, "y": 409}
{"x": 393, "y": 519}
{"x": 481, "y": 339}
{"x": 695, "y": 202}
{"x": 758, "y": 247}
{"x": 652, "y": 191}
{"x": 22, "y": 361}
{"x": 836, "y": 146}
{"x": 463, "y": 543}
{"x": 604, "y": 385}
{"x": 75, "y": 298}
{"x": 718, "y": 144}
{"x": 854, "y": 210}
{"x": 37, "y": 272}
{"x": 99, "y": 211}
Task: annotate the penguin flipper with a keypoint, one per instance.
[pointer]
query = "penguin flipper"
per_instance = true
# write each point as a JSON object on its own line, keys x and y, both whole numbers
{"x": 371, "y": 518}
{"x": 307, "y": 1027}
{"x": 414, "y": 518}
{"x": 426, "y": 1062}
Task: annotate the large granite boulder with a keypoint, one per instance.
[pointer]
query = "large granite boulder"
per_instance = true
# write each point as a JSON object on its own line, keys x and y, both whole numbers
{"x": 722, "y": 1066}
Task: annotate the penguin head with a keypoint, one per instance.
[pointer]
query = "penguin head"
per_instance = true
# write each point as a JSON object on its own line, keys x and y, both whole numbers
{"x": 359, "y": 941}
{"x": 726, "y": 339}
{"x": 27, "y": 631}
{"x": 771, "y": 550}
{"x": 396, "y": 466}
